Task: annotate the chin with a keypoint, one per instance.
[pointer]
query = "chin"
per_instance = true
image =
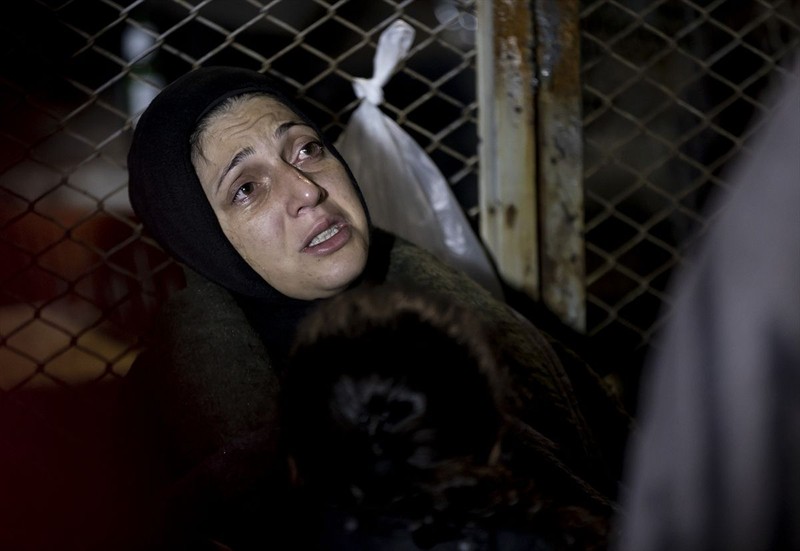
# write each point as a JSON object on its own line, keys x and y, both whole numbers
{"x": 329, "y": 276}
{"x": 343, "y": 275}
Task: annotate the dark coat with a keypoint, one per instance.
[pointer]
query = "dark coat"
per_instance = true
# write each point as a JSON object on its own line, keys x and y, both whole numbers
{"x": 202, "y": 403}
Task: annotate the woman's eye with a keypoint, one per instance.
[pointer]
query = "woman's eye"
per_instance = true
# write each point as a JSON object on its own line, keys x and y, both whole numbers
{"x": 310, "y": 150}
{"x": 243, "y": 192}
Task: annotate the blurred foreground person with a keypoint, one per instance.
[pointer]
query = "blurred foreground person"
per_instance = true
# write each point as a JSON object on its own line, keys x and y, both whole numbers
{"x": 716, "y": 464}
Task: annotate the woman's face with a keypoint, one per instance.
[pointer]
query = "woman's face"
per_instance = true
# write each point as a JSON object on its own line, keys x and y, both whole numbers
{"x": 284, "y": 201}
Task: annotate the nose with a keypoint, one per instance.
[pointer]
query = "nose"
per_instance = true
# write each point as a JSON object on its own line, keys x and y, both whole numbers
{"x": 302, "y": 191}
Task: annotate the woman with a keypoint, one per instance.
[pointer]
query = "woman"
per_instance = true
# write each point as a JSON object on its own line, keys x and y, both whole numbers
{"x": 233, "y": 180}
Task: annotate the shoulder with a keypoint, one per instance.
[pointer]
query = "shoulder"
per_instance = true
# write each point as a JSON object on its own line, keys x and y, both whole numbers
{"x": 202, "y": 305}
{"x": 200, "y": 317}
{"x": 413, "y": 266}
{"x": 204, "y": 368}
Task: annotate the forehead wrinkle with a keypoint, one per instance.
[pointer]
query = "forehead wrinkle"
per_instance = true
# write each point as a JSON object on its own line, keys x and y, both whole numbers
{"x": 238, "y": 123}
{"x": 236, "y": 127}
{"x": 239, "y": 129}
{"x": 241, "y": 123}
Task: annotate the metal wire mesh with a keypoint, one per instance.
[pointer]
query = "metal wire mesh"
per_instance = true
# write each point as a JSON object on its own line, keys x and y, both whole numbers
{"x": 79, "y": 282}
{"x": 670, "y": 93}
{"x": 669, "y": 89}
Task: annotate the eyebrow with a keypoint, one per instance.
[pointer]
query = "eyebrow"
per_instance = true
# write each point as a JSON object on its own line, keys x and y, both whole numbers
{"x": 237, "y": 159}
{"x": 284, "y": 128}
{"x": 248, "y": 151}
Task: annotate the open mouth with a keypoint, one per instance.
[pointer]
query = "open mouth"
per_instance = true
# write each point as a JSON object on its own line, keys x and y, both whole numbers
{"x": 325, "y": 235}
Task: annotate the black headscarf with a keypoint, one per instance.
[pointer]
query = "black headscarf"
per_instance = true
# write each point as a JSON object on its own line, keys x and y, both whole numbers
{"x": 169, "y": 200}
{"x": 164, "y": 189}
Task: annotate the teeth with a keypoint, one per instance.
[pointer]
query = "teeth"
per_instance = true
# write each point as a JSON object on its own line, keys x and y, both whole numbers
{"x": 324, "y": 236}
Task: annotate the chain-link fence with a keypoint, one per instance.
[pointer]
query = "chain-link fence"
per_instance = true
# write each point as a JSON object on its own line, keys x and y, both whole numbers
{"x": 668, "y": 89}
{"x": 80, "y": 283}
{"x": 670, "y": 93}
{"x": 77, "y": 278}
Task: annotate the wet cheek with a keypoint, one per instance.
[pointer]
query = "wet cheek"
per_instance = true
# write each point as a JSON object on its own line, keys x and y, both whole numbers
{"x": 255, "y": 228}
{"x": 347, "y": 197}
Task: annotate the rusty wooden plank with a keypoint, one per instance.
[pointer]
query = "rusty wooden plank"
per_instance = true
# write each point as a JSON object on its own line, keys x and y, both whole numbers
{"x": 531, "y": 177}
{"x": 506, "y": 83}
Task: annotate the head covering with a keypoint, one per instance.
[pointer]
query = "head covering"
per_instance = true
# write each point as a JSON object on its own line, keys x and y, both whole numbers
{"x": 164, "y": 190}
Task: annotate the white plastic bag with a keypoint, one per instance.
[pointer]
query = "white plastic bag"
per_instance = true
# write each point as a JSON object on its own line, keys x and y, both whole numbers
{"x": 405, "y": 191}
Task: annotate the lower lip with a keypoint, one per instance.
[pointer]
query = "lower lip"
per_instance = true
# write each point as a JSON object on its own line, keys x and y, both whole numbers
{"x": 331, "y": 245}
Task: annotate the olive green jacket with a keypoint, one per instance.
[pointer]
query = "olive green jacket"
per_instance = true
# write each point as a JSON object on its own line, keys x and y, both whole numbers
{"x": 200, "y": 410}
